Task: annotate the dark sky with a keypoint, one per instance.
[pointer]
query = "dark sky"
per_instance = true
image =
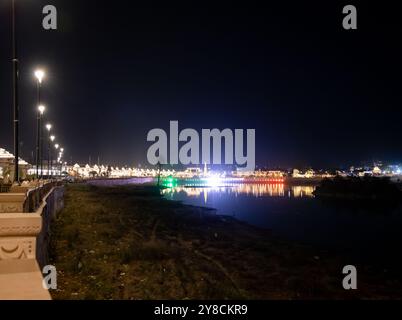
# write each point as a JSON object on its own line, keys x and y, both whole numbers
{"x": 315, "y": 93}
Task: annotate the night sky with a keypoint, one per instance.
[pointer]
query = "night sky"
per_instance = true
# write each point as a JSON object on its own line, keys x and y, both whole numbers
{"x": 316, "y": 94}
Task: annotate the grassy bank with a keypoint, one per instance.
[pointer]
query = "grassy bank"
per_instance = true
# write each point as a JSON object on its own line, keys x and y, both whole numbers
{"x": 129, "y": 243}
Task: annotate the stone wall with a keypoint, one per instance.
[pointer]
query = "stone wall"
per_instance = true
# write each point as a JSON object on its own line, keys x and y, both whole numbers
{"x": 52, "y": 204}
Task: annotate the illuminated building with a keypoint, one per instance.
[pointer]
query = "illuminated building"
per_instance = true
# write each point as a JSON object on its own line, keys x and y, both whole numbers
{"x": 308, "y": 174}
{"x": 7, "y": 166}
{"x": 376, "y": 171}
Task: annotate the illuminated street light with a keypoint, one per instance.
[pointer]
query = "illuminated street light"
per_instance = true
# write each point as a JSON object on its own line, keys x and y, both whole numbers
{"x": 39, "y": 74}
{"x": 41, "y": 110}
{"x": 52, "y": 138}
{"x": 57, "y": 147}
{"x": 60, "y": 162}
{"x": 48, "y": 127}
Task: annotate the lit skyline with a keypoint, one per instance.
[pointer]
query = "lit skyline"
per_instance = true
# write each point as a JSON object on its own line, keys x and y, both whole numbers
{"x": 317, "y": 96}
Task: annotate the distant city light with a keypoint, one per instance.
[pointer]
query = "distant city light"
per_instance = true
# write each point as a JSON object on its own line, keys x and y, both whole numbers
{"x": 214, "y": 181}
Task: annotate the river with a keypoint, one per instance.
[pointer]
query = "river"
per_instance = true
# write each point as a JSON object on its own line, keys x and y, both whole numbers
{"x": 361, "y": 231}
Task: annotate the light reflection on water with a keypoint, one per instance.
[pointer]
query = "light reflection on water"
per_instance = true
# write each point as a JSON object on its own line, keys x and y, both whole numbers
{"x": 256, "y": 190}
{"x": 294, "y": 213}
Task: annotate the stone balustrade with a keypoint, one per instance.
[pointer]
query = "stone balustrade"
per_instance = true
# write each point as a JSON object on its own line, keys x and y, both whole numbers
{"x": 12, "y": 202}
{"x": 25, "y": 238}
{"x": 18, "y": 233}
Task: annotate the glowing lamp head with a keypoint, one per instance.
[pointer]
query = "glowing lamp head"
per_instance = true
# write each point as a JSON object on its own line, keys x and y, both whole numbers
{"x": 62, "y": 150}
{"x": 52, "y": 138}
{"x": 41, "y": 109}
{"x": 56, "y": 146}
{"x": 48, "y": 127}
{"x": 39, "y": 74}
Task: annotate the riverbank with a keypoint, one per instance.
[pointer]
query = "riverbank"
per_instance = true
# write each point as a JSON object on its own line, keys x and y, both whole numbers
{"x": 130, "y": 243}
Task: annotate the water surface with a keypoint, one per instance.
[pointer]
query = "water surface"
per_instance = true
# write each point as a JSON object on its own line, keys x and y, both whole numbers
{"x": 369, "y": 231}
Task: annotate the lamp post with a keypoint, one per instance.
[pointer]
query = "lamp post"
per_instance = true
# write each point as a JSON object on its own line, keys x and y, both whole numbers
{"x": 60, "y": 159}
{"x": 15, "y": 93}
{"x": 41, "y": 110}
{"x": 57, "y": 147}
{"x": 50, "y": 156}
{"x": 39, "y": 75}
{"x": 48, "y": 127}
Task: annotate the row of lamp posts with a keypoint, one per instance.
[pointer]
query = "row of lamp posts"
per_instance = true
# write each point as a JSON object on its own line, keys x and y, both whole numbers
{"x": 39, "y": 74}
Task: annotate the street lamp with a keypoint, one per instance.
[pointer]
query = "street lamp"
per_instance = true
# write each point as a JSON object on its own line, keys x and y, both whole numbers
{"x": 48, "y": 127}
{"x": 60, "y": 162}
{"x": 39, "y": 74}
{"x": 39, "y": 114}
{"x": 15, "y": 93}
{"x": 41, "y": 110}
{"x": 52, "y": 138}
{"x": 57, "y": 147}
